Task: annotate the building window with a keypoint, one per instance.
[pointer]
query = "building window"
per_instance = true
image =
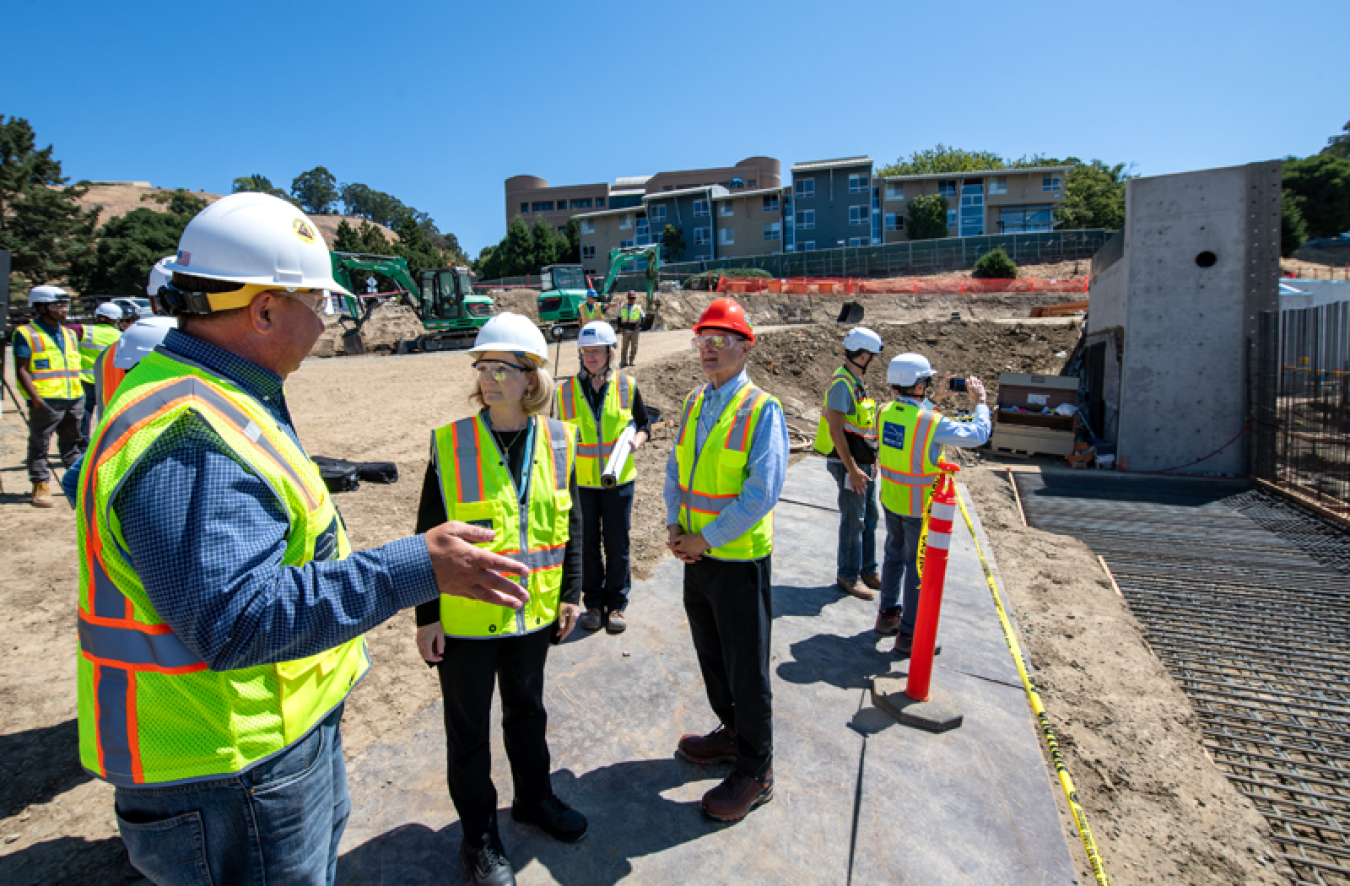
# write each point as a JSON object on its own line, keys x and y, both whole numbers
{"x": 600, "y": 201}
{"x": 582, "y": 204}
{"x": 951, "y": 218}
{"x": 804, "y": 188}
{"x": 702, "y": 236}
{"x": 751, "y": 183}
{"x": 642, "y": 229}
{"x": 857, "y": 215}
{"x": 895, "y": 221}
{"x": 895, "y": 191}
{"x": 587, "y": 252}
{"x": 524, "y": 207}
{"x": 626, "y": 244}
{"x": 773, "y": 231}
{"x": 1050, "y": 183}
{"x": 771, "y": 204}
{"x": 725, "y": 209}
{"x": 998, "y": 184}
{"x": 1025, "y": 219}
{"x": 701, "y": 209}
{"x": 857, "y": 184}
{"x": 808, "y": 246}
{"x": 562, "y": 229}
{"x": 625, "y": 222}
{"x": 657, "y": 213}
{"x": 586, "y": 226}
{"x": 947, "y": 187}
{"x": 806, "y": 219}
{"x": 855, "y": 241}
{"x": 726, "y": 236}
{"x": 542, "y": 207}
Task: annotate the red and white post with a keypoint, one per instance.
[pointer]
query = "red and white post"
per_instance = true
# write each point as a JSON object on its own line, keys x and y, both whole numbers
{"x": 940, "y": 516}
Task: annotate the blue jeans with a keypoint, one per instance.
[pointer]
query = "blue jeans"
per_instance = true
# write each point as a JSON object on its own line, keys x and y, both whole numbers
{"x": 857, "y": 524}
{"x": 901, "y": 559}
{"x": 279, "y": 822}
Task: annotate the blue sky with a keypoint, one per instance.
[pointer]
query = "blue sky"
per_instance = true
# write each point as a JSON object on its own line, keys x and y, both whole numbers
{"x": 439, "y": 103}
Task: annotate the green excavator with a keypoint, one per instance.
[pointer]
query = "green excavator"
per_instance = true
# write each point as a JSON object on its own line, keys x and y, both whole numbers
{"x": 622, "y": 258}
{"x": 442, "y": 299}
{"x": 564, "y": 287}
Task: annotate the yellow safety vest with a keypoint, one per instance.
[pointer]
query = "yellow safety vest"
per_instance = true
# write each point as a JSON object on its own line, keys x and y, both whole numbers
{"x": 861, "y": 420}
{"x": 630, "y": 313}
{"x": 593, "y": 449}
{"x": 150, "y": 711}
{"x": 56, "y": 373}
{"x": 477, "y": 488}
{"x": 96, "y": 338}
{"x": 588, "y": 313}
{"x": 711, "y": 478}
{"x": 908, "y": 471}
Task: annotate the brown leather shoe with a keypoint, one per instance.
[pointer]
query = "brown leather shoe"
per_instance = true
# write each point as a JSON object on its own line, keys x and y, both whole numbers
{"x": 733, "y": 799}
{"x": 855, "y": 588}
{"x": 616, "y": 623}
{"x": 42, "y": 495}
{"x": 873, "y": 581}
{"x": 888, "y": 622}
{"x": 718, "y": 746}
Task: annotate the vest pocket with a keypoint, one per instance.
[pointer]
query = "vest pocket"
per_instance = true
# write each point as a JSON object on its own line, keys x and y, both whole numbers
{"x": 486, "y": 515}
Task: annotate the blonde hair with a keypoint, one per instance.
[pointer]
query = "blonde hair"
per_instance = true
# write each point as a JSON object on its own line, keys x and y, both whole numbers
{"x": 537, "y": 398}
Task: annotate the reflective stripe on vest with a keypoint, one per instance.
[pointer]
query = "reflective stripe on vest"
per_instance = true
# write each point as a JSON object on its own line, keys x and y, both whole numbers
{"x": 860, "y": 420}
{"x": 96, "y": 338}
{"x": 711, "y": 477}
{"x": 477, "y": 488}
{"x": 107, "y": 377}
{"x": 151, "y": 712}
{"x": 56, "y": 373}
{"x": 905, "y": 464}
{"x": 594, "y": 448}
{"x": 588, "y": 313}
{"x": 628, "y": 314}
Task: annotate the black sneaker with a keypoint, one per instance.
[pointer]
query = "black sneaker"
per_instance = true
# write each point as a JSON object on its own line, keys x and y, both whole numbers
{"x": 904, "y": 644}
{"x": 558, "y": 820}
{"x": 487, "y": 867}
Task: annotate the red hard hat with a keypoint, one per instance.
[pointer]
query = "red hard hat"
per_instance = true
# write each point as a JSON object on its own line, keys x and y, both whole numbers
{"x": 726, "y": 313}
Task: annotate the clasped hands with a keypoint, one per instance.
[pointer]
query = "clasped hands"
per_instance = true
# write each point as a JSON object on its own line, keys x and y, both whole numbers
{"x": 687, "y": 547}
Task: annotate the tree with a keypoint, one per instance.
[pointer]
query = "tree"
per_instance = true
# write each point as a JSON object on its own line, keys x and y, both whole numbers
{"x": 257, "y": 183}
{"x": 943, "y": 159}
{"x": 1322, "y": 184}
{"x": 130, "y": 245}
{"x": 1293, "y": 230}
{"x": 995, "y": 265}
{"x": 316, "y": 191}
{"x": 570, "y": 250}
{"x": 544, "y": 244}
{"x": 415, "y": 247}
{"x": 1339, "y": 145}
{"x": 41, "y": 222}
{"x": 367, "y": 239}
{"x": 926, "y": 217}
{"x": 672, "y": 241}
{"x": 1094, "y": 196}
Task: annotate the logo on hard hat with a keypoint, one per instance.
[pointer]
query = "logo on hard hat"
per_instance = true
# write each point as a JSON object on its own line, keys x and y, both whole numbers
{"x": 303, "y": 230}
{"x": 184, "y": 258}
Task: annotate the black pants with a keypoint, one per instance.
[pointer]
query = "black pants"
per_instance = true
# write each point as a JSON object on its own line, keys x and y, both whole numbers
{"x": 606, "y": 515}
{"x": 467, "y": 671}
{"x": 61, "y": 417}
{"x": 730, "y": 609}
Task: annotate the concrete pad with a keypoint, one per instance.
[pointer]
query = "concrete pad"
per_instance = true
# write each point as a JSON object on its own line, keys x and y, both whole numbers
{"x": 857, "y": 798}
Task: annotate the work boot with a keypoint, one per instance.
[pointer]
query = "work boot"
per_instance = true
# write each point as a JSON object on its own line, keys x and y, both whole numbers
{"x": 556, "y": 818}
{"x": 591, "y": 620}
{"x": 888, "y": 622}
{"x": 904, "y": 645}
{"x": 42, "y": 495}
{"x": 855, "y": 588}
{"x": 873, "y": 581}
{"x": 718, "y": 746}
{"x": 733, "y": 799}
{"x": 488, "y": 866}
{"x": 616, "y": 624}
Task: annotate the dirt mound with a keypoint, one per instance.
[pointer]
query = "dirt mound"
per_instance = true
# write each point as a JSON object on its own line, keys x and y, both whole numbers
{"x": 517, "y": 301}
{"x": 388, "y": 324}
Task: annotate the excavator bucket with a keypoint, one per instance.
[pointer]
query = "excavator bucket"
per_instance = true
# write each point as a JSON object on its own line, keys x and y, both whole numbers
{"x": 851, "y": 312}
{"x": 352, "y": 344}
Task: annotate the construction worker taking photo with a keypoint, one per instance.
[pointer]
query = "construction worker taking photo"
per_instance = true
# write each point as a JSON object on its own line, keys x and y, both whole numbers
{"x": 912, "y": 435}
{"x": 847, "y": 437}
{"x": 48, "y": 362}
{"x": 602, "y": 405}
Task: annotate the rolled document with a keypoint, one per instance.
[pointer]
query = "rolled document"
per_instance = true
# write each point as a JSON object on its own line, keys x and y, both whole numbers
{"x": 618, "y": 458}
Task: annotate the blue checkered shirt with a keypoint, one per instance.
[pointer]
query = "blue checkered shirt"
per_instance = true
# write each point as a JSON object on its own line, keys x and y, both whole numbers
{"x": 206, "y": 536}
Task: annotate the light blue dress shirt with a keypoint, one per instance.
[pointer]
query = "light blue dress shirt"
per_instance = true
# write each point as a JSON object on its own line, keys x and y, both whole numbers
{"x": 963, "y": 434}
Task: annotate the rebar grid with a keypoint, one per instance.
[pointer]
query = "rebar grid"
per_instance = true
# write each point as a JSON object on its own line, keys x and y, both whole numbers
{"x": 1246, "y": 600}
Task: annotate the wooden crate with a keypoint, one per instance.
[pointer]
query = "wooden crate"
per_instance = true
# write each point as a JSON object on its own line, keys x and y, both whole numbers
{"x": 1032, "y": 432}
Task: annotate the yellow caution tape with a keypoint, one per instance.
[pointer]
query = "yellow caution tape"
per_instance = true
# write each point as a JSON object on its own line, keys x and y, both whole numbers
{"x": 1079, "y": 816}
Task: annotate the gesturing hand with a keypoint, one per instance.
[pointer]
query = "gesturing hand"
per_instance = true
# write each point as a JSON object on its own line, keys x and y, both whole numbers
{"x": 463, "y": 570}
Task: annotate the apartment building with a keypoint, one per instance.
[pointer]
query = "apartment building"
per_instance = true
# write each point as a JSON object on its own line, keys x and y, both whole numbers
{"x": 984, "y": 202}
{"x": 834, "y": 204}
{"x": 530, "y": 195}
{"x": 603, "y": 230}
{"x": 750, "y": 222}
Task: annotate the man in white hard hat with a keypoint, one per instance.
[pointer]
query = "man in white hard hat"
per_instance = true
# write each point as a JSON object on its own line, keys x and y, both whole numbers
{"x": 47, "y": 363}
{"x": 221, "y": 618}
{"x": 912, "y": 435}
{"x": 847, "y": 437}
{"x": 94, "y": 339}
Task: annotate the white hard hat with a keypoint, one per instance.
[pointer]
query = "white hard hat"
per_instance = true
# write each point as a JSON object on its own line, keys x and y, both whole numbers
{"x": 159, "y": 276}
{"x": 511, "y": 333}
{"x": 907, "y": 369}
{"x": 253, "y": 238}
{"x": 597, "y": 332}
{"x": 140, "y": 339}
{"x": 109, "y": 310}
{"x": 44, "y": 295}
{"x": 860, "y": 338}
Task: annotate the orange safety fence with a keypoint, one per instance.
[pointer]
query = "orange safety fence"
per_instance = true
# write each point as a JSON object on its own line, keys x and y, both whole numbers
{"x": 897, "y": 285}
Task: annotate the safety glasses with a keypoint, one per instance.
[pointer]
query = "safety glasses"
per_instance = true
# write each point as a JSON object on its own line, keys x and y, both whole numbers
{"x": 714, "y": 342}
{"x": 498, "y": 370}
{"x": 312, "y": 299}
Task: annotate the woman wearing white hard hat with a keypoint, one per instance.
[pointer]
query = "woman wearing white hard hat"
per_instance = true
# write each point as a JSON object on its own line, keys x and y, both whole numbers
{"x": 510, "y": 469}
{"x": 602, "y": 405}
